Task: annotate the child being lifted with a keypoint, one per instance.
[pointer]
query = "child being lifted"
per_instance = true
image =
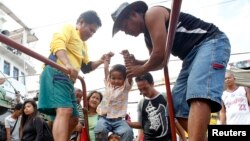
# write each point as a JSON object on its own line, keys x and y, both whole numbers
{"x": 113, "y": 108}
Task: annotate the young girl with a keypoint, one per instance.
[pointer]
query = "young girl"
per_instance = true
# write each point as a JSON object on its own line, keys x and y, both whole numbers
{"x": 32, "y": 126}
{"x": 113, "y": 108}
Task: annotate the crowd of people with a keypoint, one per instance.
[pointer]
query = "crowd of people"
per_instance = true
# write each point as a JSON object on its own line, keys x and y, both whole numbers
{"x": 197, "y": 93}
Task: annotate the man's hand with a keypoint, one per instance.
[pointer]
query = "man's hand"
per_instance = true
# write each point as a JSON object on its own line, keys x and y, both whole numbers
{"x": 78, "y": 127}
{"x": 135, "y": 70}
{"x": 72, "y": 72}
{"x": 129, "y": 59}
{"x": 110, "y": 54}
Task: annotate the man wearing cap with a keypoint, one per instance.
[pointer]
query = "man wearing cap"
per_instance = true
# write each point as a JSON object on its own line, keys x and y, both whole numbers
{"x": 12, "y": 123}
{"x": 202, "y": 47}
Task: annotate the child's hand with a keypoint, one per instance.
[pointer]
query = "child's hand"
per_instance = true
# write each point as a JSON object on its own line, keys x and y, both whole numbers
{"x": 108, "y": 57}
{"x": 110, "y": 54}
{"x": 128, "y": 58}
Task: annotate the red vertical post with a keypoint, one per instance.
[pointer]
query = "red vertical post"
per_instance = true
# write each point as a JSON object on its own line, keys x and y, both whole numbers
{"x": 174, "y": 17}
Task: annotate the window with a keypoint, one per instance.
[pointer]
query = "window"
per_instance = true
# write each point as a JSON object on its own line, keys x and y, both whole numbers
{"x": 6, "y": 68}
{"x": 22, "y": 78}
{"x": 15, "y": 73}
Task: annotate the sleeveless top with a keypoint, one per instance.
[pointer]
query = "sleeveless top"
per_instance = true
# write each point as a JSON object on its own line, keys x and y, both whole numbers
{"x": 237, "y": 108}
{"x": 190, "y": 32}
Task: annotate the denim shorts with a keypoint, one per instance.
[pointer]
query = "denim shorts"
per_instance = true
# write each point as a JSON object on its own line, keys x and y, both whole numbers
{"x": 202, "y": 75}
{"x": 56, "y": 91}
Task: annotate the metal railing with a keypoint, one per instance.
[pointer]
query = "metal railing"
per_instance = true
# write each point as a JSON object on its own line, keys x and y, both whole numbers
{"x": 4, "y": 39}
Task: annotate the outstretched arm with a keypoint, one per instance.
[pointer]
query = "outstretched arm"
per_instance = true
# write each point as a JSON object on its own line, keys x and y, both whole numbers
{"x": 106, "y": 70}
{"x": 92, "y": 65}
{"x": 107, "y": 58}
{"x": 136, "y": 125}
{"x": 155, "y": 20}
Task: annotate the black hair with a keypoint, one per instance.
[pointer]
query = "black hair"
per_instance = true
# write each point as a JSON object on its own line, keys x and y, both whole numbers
{"x": 18, "y": 106}
{"x": 90, "y": 17}
{"x": 92, "y": 92}
{"x": 145, "y": 77}
{"x": 113, "y": 135}
{"x": 5, "y": 32}
{"x": 77, "y": 89}
{"x": 26, "y": 118}
{"x": 120, "y": 68}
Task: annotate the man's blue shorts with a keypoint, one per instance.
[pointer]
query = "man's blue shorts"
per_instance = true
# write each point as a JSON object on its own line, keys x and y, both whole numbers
{"x": 202, "y": 75}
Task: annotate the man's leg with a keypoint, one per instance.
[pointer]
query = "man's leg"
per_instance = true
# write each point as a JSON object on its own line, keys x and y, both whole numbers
{"x": 183, "y": 122}
{"x": 102, "y": 129}
{"x": 198, "y": 120}
{"x": 61, "y": 124}
{"x": 73, "y": 121}
{"x": 205, "y": 84}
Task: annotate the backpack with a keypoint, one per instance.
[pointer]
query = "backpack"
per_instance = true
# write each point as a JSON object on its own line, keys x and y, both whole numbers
{"x": 47, "y": 133}
{"x": 3, "y": 136}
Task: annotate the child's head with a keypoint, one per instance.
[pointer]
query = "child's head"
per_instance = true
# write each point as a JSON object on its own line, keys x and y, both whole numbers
{"x": 117, "y": 75}
{"x": 78, "y": 93}
{"x": 114, "y": 137}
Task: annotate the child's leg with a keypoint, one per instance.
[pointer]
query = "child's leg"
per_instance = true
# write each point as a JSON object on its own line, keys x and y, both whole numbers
{"x": 122, "y": 129}
{"x": 102, "y": 129}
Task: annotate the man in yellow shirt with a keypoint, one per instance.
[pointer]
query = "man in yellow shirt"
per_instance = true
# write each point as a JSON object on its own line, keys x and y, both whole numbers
{"x": 69, "y": 50}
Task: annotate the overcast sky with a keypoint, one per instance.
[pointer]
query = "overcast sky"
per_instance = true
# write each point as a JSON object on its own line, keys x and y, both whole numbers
{"x": 46, "y": 16}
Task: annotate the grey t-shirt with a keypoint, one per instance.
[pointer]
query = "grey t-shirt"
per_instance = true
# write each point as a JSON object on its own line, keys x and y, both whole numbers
{"x": 9, "y": 123}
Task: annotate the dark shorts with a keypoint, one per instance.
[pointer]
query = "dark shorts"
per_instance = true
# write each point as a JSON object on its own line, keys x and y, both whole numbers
{"x": 56, "y": 91}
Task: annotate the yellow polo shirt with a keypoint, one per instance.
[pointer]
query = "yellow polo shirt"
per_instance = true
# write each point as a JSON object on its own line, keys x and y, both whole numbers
{"x": 68, "y": 38}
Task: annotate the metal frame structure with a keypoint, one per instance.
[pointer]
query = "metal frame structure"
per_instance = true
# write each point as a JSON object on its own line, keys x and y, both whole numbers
{"x": 174, "y": 16}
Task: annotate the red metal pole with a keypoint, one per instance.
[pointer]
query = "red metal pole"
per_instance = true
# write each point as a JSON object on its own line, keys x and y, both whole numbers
{"x": 4, "y": 39}
{"x": 85, "y": 109}
{"x": 174, "y": 17}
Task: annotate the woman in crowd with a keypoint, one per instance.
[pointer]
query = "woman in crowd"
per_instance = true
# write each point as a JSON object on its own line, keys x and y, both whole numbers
{"x": 94, "y": 98}
{"x": 32, "y": 126}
